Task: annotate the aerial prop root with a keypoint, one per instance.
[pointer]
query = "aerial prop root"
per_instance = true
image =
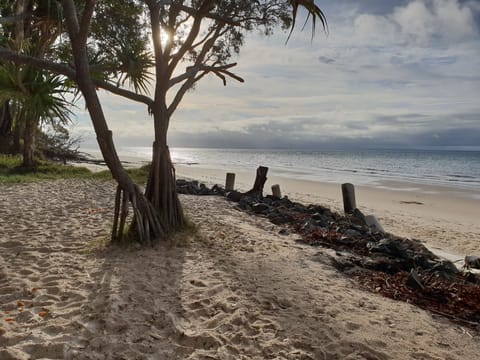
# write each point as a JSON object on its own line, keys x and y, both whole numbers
{"x": 146, "y": 223}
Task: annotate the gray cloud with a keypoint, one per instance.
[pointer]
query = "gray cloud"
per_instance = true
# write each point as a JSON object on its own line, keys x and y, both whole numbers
{"x": 390, "y": 73}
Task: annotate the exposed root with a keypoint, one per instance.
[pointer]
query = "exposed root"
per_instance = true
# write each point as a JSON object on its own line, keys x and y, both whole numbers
{"x": 146, "y": 224}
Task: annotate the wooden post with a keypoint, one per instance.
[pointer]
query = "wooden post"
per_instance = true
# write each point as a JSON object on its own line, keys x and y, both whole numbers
{"x": 349, "y": 203}
{"x": 371, "y": 220}
{"x": 276, "y": 191}
{"x": 230, "y": 182}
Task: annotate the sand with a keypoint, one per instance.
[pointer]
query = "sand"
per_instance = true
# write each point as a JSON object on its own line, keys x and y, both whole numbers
{"x": 237, "y": 289}
{"x": 445, "y": 219}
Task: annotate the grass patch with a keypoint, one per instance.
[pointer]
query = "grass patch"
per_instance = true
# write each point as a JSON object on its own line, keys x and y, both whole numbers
{"x": 12, "y": 172}
{"x": 98, "y": 244}
{"x": 140, "y": 175}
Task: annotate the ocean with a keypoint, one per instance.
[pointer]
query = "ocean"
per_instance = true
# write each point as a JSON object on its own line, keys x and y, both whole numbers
{"x": 451, "y": 168}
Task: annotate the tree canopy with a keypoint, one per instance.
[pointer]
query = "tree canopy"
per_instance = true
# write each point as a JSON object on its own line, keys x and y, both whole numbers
{"x": 168, "y": 44}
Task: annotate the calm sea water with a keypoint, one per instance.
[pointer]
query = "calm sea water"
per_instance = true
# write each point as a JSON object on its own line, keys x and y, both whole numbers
{"x": 459, "y": 169}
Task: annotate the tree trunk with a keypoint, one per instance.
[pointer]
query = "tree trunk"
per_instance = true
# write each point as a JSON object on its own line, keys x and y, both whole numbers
{"x": 161, "y": 188}
{"x": 5, "y": 128}
{"x": 5, "y": 120}
{"x": 147, "y": 224}
{"x": 16, "y": 136}
{"x": 29, "y": 144}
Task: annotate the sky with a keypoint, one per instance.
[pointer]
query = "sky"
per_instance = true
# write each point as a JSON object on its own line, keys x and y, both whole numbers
{"x": 389, "y": 74}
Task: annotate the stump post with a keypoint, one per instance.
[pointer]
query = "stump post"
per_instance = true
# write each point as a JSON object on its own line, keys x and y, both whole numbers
{"x": 348, "y": 193}
{"x": 230, "y": 182}
{"x": 276, "y": 191}
{"x": 260, "y": 180}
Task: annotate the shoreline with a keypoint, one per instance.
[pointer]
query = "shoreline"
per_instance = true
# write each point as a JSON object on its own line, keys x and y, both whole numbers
{"x": 443, "y": 218}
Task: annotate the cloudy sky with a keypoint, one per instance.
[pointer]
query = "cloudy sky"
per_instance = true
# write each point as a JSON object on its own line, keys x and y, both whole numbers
{"x": 391, "y": 73}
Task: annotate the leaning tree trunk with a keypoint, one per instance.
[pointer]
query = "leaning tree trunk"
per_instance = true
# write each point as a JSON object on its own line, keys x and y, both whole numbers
{"x": 147, "y": 225}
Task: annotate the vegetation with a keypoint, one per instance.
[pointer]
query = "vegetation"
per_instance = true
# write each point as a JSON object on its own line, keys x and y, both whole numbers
{"x": 113, "y": 47}
{"x": 31, "y": 97}
{"x": 12, "y": 172}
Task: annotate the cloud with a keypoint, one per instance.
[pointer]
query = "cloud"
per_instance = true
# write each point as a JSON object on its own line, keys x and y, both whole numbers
{"x": 421, "y": 23}
{"x": 390, "y": 73}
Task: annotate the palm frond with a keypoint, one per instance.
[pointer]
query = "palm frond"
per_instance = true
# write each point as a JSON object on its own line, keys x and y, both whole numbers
{"x": 313, "y": 10}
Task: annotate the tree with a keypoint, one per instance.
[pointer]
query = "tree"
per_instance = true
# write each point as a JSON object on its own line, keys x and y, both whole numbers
{"x": 189, "y": 39}
{"x": 35, "y": 95}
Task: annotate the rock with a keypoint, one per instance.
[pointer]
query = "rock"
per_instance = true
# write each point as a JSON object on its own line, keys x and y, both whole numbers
{"x": 279, "y": 218}
{"x": 389, "y": 247}
{"x": 358, "y": 217}
{"x": 385, "y": 264}
{"x": 472, "y": 262}
{"x": 234, "y": 195}
{"x": 284, "y": 232}
{"x": 374, "y": 224}
{"x": 352, "y": 233}
{"x": 309, "y": 225}
{"x": 260, "y": 208}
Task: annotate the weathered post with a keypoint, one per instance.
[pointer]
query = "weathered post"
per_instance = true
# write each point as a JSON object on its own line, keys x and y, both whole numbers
{"x": 230, "y": 182}
{"x": 260, "y": 180}
{"x": 348, "y": 193}
{"x": 276, "y": 191}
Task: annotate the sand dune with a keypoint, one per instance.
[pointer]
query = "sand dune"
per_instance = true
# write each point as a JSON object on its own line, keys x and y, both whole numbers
{"x": 235, "y": 290}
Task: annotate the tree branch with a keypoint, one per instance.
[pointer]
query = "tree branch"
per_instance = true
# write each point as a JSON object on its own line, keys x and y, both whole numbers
{"x": 194, "y": 31}
{"x": 19, "y": 59}
{"x": 65, "y": 70}
{"x": 86, "y": 20}
{"x": 181, "y": 92}
{"x": 209, "y": 15}
{"x": 191, "y": 78}
{"x": 124, "y": 92}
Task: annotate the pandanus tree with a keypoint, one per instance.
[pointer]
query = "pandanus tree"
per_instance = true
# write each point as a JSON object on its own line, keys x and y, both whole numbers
{"x": 33, "y": 96}
{"x": 112, "y": 49}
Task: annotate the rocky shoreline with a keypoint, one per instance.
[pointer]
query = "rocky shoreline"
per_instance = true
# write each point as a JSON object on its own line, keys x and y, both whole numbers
{"x": 399, "y": 268}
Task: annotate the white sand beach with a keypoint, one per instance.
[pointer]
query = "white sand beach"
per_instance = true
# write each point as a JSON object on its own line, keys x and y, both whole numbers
{"x": 235, "y": 290}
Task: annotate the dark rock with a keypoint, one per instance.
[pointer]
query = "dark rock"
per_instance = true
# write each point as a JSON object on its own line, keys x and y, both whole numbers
{"x": 385, "y": 264}
{"x": 472, "y": 262}
{"x": 352, "y": 233}
{"x": 234, "y": 195}
{"x": 309, "y": 225}
{"x": 279, "y": 218}
{"x": 358, "y": 217}
{"x": 260, "y": 208}
{"x": 284, "y": 232}
{"x": 389, "y": 247}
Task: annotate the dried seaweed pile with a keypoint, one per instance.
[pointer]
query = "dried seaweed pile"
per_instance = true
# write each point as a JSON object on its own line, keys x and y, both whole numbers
{"x": 457, "y": 299}
{"x": 398, "y": 268}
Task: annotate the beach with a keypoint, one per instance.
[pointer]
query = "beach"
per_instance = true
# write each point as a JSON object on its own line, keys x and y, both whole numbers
{"x": 236, "y": 289}
{"x": 445, "y": 219}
